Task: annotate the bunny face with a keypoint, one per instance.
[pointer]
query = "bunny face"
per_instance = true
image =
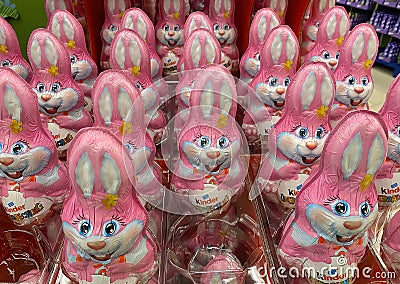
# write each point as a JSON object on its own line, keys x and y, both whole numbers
{"x": 273, "y": 91}
{"x": 170, "y": 35}
{"x": 108, "y": 32}
{"x": 16, "y": 63}
{"x": 354, "y": 84}
{"x": 81, "y": 66}
{"x": 225, "y": 33}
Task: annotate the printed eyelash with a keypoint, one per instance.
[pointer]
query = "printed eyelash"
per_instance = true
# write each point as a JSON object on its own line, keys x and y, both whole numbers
{"x": 395, "y": 127}
{"x": 78, "y": 219}
{"x": 331, "y": 199}
{"x": 197, "y": 137}
{"x": 295, "y": 127}
{"x": 25, "y": 142}
{"x": 226, "y": 135}
{"x": 267, "y": 80}
{"x": 323, "y": 127}
{"x": 369, "y": 202}
{"x": 347, "y": 76}
{"x": 133, "y": 145}
{"x": 119, "y": 219}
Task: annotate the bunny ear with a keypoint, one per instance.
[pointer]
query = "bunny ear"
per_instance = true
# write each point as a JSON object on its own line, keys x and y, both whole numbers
{"x": 322, "y": 5}
{"x": 56, "y": 27}
{"x": 177, "y": 5}
{"x": 121, "y": 5}
{"x": 84, "y": 175}
{"x": 119, "y": 53}
{"x": 283, "y": 5}
{"x": 217, "y": 6}
{"x": 291, "y": 47}
{"x": 12, "y": 103}
{"x": 207, "y": 100}
{"x": 2, "y": 36}
{"x": 273, "y": 4}
{"x": 68, "y": 28}
{"x": 36, "y": 53}
{"x": 225, "y": 98}
{"x": 327, "y": 90}
{"x": 343, "y": 26}
{"x": 128, "y": 23}
{"x": 308, "y": 91}
{"x": 106, "y": 106}
{"x": 111, "y": 6}
{"x": 331, "y": 26}
{"x": 352, "y": 156}
{"x": 166, "y": 6}
{"x": 124, "y": 104}
{"x": 376, "y": 155}
{"x": 50, "y": 6}
{"x": 192, "y": 26}
{"x": 262, "y": 28}
{"x": 110, "y": 174}
{"x": 210, "y": 51}
{"x": 276, "y": 48}
{"x": 50, "y": 51}
{"x": 141, "y": 27}
{"x": 203, "y": 24}
{"x": 372, "y": 47}
{"x": 228, "y": 5}
{"x": 134, "y": 52}
{"x": 195, "y": 52}
{"x": 358, "y": 47}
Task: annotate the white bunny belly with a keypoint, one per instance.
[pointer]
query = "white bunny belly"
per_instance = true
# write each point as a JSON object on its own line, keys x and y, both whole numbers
{"x": 388, "y": 190}
{"x": 62, "y": 136}
{"x": 210, "y": 198}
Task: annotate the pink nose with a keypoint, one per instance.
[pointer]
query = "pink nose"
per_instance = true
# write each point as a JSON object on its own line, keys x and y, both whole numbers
{"x": 280, "y": 91}
{"x": 213, "y": 154}
{"x": 6, "y": 161}
{"x": 171, "y": 33}
{"x": 46, "y": 97}
{"x": 359, "y": 90}
{"x": 352, "y": 225}
{"x": 222, "y": 32}
{"x": 96, "y": 245}
{"x": 332, "y": 62}
{"x": 311, "y": 145}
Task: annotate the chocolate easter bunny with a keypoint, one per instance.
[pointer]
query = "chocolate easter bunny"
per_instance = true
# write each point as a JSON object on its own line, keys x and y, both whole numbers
{"x": 61, "y": 101}
{"x": 311, "y": 24}
{"x": 201, "y": 49}
{"x": 32, "y": 178}
{"x": 118, "y": 107}
{"x": 263, "y": 22}
{"x": 279, "y": 6}
{"x": 114, "y": 11}
{"x": 70, "y": 32}
{"x": 353, "y": 77}
{"x": 209, "y": 169}
{"x": 278, "y": 61}
{"x": 334, "y": 210}
{"x": 52, "y": 5}
{"x": 169, "y": 33}
{"x": 10, "y": 53}
{"x": 390, "y": 242}
{"x": 388, "y": 178}
{"x": 131, "y": 54}
{"x": 103, "y": 220}
{"x": 221, "y": 13}
{"x": 332, "y": 31}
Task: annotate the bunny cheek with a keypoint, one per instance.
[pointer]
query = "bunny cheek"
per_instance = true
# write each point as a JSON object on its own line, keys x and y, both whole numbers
{"x": 272, "y": 96}
{"x": 25, "y": 165}
{"x": 81, "y": 70}
{"x": 394, "y": 147}
{"x": 332, "y": 227}
{"x": 108, "y": 35}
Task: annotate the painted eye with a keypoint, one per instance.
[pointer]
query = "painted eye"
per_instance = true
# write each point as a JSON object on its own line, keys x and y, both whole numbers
{"x": 73, "y": 59}
{"x": 130, "y": 147}
{"x": 397, "y": 131}
{"x": 286, "y": 81}
{"x": 326, "y": 55}
{"x": 337, "y": 55}
{"x": 55, "y": 87}
{"x": 364, "y": 80}
{"x": 1, "y": 147}
{"x": 351, "y": 81}
{"x": 319, "y": 133}
{"x": 40, "y": 87}
{"x": 166, "y": 28}
{"x": 257, "y": 57}
{"x": 317, "y": 24}
{"x": 216, "y": 27}
{"x": 204, "y": 142}
{"x": 139, "y": 86}
{"x": 110, "y": 228}
{"x": 6, "y": 63}
{"x": 113, "y": 28}
{"x": 18, "y": 148}
{"x": 85, "y": 228}
{"x": 226, "y": 27}
{"x": 302, "y": 132}
{"x": 176, "y": 28}
{"x": 341, "y": 208}
{"x": 365, "y": 209}
{"x": 222, "y": 142}
{"x": 273, "y": 81}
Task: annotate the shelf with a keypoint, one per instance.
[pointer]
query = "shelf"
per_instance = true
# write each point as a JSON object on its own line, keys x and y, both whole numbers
{"x": 389, "y": 4}
{"x": 394, "y": 65}
{"x": 356, "y": 5}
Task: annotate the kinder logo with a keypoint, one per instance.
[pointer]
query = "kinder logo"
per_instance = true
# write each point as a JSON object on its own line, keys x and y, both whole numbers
{"x": 206, "y": 200}
{"x": 15, "y": 208}
{"x": 294, "y": 192}
{"x": 394, "y": 189}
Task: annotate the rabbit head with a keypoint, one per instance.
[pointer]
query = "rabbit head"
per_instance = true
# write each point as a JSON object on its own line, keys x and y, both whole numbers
{"x": 10, "y": 53}
{"x": 332, "y": 31}
{"x": 27, "y": 148}
{"x": 263, "y": 22}
{"x": 114, "y": 11}
{"x": 118, "y": 107}
{"x": 169, "y": 28}
{"x": 339, "y": 203}
{"x": 52, "y": 79}
{"x": 130, "y": 53}
{"x": 210, "y": 141}
{"x": 279, "y": 6}
{"x": 354, "y": 83}
{"x": 102, "y": 217}
{"x": 278, "y": 62}
{"x": 222, "y": 15}
{"x": 391, "y": 115}
{"x": 52, "y": 5}
{"x": 70, "y": 32}
{"x": 195, "y": 21}
{"x": 304, "y": 126}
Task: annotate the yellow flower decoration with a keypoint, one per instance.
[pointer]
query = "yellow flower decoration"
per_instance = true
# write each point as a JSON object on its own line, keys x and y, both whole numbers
{"x": 176, "y": 15}
{"x": 339, "y": 41}
{"x": 16, "y": 126}
{"x": 366, "y": 182}
{"x": 3, "y": 48}
{"x": 110, "y": 201}
{"x": 321, "y": 112}
{"x": 71, "y": 44}
{"x": 75, "y": 3}
{"x": 222, "y": 121}
{"x": 53, "y": 70}
{"x": 227, "y": 14}
{"x": 135, "y": 70}
{"x": 280, "y": 13}
{"x": 288, "y": 65}
{"x": 121, "y": 15}
{"x": 125, "y": 128}
{"x": 367, "y": 64}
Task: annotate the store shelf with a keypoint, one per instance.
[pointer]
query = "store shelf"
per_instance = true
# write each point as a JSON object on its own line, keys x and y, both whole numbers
{"x": 394, "y": 65}
{"x": 356, "y": 5}
{"x": 390, "y": 4}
